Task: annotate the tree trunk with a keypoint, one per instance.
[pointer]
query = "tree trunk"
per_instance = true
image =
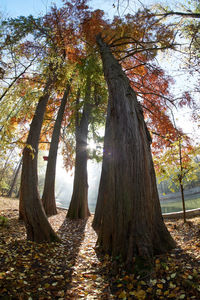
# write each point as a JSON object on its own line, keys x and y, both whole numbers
{"x": 128, "y": 217}
{"x": 181, "y": 176}
{"x": 78, "y": 208}
{"x": 38, "y": 228}
{"x": 48, "y": 198}
{"x": 183, "y": 200}
{"x": 16, "y": 173}
{"x": 3, "y": 170}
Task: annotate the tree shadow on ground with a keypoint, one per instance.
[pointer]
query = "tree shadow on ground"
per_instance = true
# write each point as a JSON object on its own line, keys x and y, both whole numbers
{"x": 40, "y": 271}
{"x": 44, "y": 271}
{"x": 175, "y": 275}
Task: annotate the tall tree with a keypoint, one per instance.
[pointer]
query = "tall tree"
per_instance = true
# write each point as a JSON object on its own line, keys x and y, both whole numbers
{"x": 48, "y": 197}
{"x": 78, "y": 208}
{"x": 37, "y": 225}
{"x": 38, "y": 228}
{"x": 128, "y": 216}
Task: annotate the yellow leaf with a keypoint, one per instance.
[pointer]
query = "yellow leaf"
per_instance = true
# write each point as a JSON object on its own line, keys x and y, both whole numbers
{"x": 172, "y": 295}
{"x": 159, "y": 292}
{"x": 166, "y": 293}
{"x": 173, "y": 275}
{"x": 153, "y": 281}
{"x": 157, "y": 261}
{"x": 2, "y": 275}
{"x": 130, "y": 286}
{"x": 122, "y": 295}
{"x": 160, "y": 285}
{"x": 141, "y": 295}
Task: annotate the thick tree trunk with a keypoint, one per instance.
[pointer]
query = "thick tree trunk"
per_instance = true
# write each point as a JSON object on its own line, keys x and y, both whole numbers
{"x": 37, "y": 226}
{"x": 128, "y": 216}
{"x": 78, "y": 208}
{"x": 48, "y": 198}
{"x": 16, "y": 173}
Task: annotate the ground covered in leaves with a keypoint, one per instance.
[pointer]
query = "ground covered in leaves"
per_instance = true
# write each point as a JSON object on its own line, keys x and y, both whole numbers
{"x": 74, "y": 270}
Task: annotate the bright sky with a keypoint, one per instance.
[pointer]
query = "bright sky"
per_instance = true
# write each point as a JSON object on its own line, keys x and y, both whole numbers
{"x": 15, "y": 8}
{"x": 25, "y": 7}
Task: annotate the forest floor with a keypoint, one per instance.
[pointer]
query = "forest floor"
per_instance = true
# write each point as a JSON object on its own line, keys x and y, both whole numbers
{"x": 73, "y": 269}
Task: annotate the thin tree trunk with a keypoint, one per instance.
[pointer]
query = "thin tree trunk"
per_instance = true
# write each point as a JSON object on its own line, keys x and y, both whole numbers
{"x": 38, "y": 228}
{"x": 128, "y": 217}
{"x": 16, "y": 78}
{"x": 48, "y": 197}
{"x": 78, "y": 208}
{"x": 183, "y": 201}
{"x": 181, "y": 179}
{"x": 3, "y": 170}
{"x": 16, "y": 173}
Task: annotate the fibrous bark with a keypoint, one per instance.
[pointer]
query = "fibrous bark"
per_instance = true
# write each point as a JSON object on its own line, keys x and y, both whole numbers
{"x": 48, "y": 197}
{"x": 38, "y": 228}
{"x": 128, "y": 216}
{"x": 78, "y": 208}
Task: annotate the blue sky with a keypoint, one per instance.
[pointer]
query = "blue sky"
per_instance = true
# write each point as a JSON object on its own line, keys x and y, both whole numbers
{"x": 13, "y": 8}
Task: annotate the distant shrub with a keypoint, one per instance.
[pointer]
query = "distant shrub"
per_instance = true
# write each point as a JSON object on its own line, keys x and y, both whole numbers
{"x": 3, "y": 221}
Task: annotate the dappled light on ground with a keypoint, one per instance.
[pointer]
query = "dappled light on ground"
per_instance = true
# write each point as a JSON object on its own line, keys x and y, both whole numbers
{"x": 73, "y": 269}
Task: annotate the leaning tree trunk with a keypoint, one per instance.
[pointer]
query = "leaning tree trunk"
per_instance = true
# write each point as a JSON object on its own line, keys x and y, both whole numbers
{"x": 16, "y": 173}
{"x": 48, "y": 198}
{"x": 78, "y": 208}
{"x": 38, "y": 228}
{"x": 128, "y": 217}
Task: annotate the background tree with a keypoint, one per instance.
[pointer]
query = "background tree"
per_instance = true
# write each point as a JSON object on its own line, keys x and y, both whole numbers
{"x": 15, "y": 176}
{"x": 30, "y": 205}
{"x": 79, "y": 202}
{"x": 179, "y": 164}
{"x": 48, "y": 197}
{"x": 56, "y": 54}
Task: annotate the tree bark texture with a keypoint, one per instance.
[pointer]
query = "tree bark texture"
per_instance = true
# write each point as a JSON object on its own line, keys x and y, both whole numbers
{"x": 48, "y": 198}
{"x": 78, "y": 208}
{"x": 128, "y": 217}
{"x": 38, "y": 228}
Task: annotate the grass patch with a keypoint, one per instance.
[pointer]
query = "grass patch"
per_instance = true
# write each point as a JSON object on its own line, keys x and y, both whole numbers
{"x": 173, "y": 206}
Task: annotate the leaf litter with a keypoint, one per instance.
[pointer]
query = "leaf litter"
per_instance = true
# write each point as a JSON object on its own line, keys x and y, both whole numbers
{"x": 74, "y": 269}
